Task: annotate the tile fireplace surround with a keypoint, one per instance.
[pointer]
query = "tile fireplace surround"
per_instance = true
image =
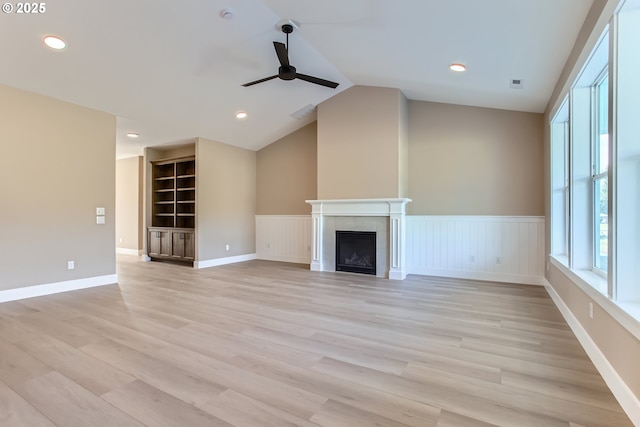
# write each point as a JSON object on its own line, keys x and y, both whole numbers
{"x": 366, "y": 213}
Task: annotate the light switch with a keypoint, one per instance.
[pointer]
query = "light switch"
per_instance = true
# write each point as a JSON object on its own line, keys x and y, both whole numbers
{"x": 100, "y": 219}
{"x": 100, "y": 211}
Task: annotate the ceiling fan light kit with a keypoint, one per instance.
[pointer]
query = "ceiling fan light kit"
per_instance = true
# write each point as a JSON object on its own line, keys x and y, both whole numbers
{"x": 286, "y": 71}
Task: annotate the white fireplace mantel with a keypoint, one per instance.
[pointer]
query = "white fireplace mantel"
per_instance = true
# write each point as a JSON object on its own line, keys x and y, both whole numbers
{"x": 392, "y": 208}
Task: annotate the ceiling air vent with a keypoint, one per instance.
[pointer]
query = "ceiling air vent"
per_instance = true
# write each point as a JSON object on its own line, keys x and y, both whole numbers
{"x": 515, "y": 83}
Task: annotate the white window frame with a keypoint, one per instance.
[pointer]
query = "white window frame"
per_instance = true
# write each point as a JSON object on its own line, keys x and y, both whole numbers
{"x": 597, "y": 176}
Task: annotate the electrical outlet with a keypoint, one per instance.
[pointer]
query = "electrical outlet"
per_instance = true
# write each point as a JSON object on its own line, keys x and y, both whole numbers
{"x": 590, "y": 310}
{"x": 71, "y": 265}
{"x": 227, "y": 247}
{"x": 121, "y": 240}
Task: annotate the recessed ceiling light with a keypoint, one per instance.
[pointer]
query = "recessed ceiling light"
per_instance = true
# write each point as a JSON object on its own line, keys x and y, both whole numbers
{"x": 54, "y": 42}
{"x": 132, "y": 135}
{"x": 457, "y": 67}
{"x": 241, "y": 115}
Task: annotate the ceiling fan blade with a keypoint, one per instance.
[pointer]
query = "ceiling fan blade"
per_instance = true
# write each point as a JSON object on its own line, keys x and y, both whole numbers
{"x": 281, "y": 51}
{"x": 266, "y": 79}
{"x": 317, "y": 80}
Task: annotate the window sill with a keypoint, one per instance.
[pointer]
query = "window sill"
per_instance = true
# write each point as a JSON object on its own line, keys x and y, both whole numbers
{"x": 595, "y": 286}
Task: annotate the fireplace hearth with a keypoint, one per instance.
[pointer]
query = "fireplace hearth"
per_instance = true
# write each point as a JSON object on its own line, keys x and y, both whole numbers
{"x": 356, "y": 251}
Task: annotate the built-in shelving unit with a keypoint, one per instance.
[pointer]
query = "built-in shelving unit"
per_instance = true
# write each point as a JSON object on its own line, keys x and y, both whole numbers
{"x": 173, "y": 209}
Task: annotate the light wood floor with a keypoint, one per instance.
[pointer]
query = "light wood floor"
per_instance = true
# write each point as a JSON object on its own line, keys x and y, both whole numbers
{"x": 271, "y": 344}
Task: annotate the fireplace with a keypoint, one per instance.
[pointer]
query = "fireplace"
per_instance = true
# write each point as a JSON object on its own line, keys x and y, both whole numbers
{"x": 356, "y": 251}
{"x": 386, "y": 217}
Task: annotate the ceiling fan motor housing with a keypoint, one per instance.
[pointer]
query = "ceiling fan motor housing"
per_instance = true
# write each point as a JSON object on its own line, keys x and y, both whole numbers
{"x": 287, "y": 28}
{"x": 287, "y": 72}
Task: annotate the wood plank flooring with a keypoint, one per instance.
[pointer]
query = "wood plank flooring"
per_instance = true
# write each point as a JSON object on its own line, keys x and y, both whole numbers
{"x": 272, "y": 344}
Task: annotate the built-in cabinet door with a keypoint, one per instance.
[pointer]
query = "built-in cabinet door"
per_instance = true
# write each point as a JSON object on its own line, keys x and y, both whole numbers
{"x": 159, "y": 243}
{"x": 183, "y": 245}
{"x": 165, "y": 243}
{"x": 178, "y": 245}
{"x": 154, "y": 243}
{"x": 189, "y": 246}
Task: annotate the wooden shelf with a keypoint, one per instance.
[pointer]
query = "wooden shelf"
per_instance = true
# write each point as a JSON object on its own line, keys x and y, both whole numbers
{"x": 174, "y": 184}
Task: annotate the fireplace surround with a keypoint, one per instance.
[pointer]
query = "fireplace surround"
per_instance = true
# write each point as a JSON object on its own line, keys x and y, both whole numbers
{"x": 384, "y": 216}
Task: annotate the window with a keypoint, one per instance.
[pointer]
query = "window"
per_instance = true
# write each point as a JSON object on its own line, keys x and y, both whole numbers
{"x": 588, "y": 180}
{"x": 600, "y": 167}
{"x": 595, "y": 165}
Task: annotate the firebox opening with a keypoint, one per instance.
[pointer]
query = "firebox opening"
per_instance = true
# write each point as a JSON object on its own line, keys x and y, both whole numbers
{"x": 356, "y": 251}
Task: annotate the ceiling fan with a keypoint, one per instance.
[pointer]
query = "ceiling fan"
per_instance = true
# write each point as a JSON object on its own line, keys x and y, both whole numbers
{"x": 287, "y": 71}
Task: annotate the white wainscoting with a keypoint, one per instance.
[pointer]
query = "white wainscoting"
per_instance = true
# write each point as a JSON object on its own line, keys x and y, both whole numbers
{"x": 497, "y": 248}
{"x": 284, "y": 238}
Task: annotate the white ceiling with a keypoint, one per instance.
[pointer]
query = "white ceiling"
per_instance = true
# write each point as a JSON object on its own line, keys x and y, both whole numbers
{"x": 173, "y": 70}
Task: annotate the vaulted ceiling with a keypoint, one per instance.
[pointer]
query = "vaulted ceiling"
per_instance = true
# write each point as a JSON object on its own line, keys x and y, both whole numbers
{"x": 172, "y": 71}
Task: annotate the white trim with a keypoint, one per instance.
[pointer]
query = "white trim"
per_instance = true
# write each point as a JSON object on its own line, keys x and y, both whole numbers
{"x": 479, "y": 275}
{"x": 223, "y": 261}
{"x": 628, "y": 401}
{"x": 582, "y": 279}
{"x": 358, "y": 207}
{"x": 126, "y": 251}
{"x": 54, "y": 288}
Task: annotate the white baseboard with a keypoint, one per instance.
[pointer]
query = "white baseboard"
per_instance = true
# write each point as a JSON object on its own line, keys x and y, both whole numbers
{"x": 479, "y": 275}
{"x": 627, "y": 399}
{"x": 54, "y": 288}
{"x": 282, "y": 258}
{"x": 223, "y": 261}
{"x": 125, "y": 251}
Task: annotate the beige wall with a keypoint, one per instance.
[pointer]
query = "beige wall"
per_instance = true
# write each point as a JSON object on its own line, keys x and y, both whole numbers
{"x": 403, "y": 148}
{"x": 617, "y": 344}
{"x": 225, "y": 200}
{"x": 129, "y": 192}
{"x": 621, "y": 349}
{"x": 358, "y": 144}
{"x": 58, "y": 166}
{"x": 287, "y": 174}
{"x": 474, "y": 161}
